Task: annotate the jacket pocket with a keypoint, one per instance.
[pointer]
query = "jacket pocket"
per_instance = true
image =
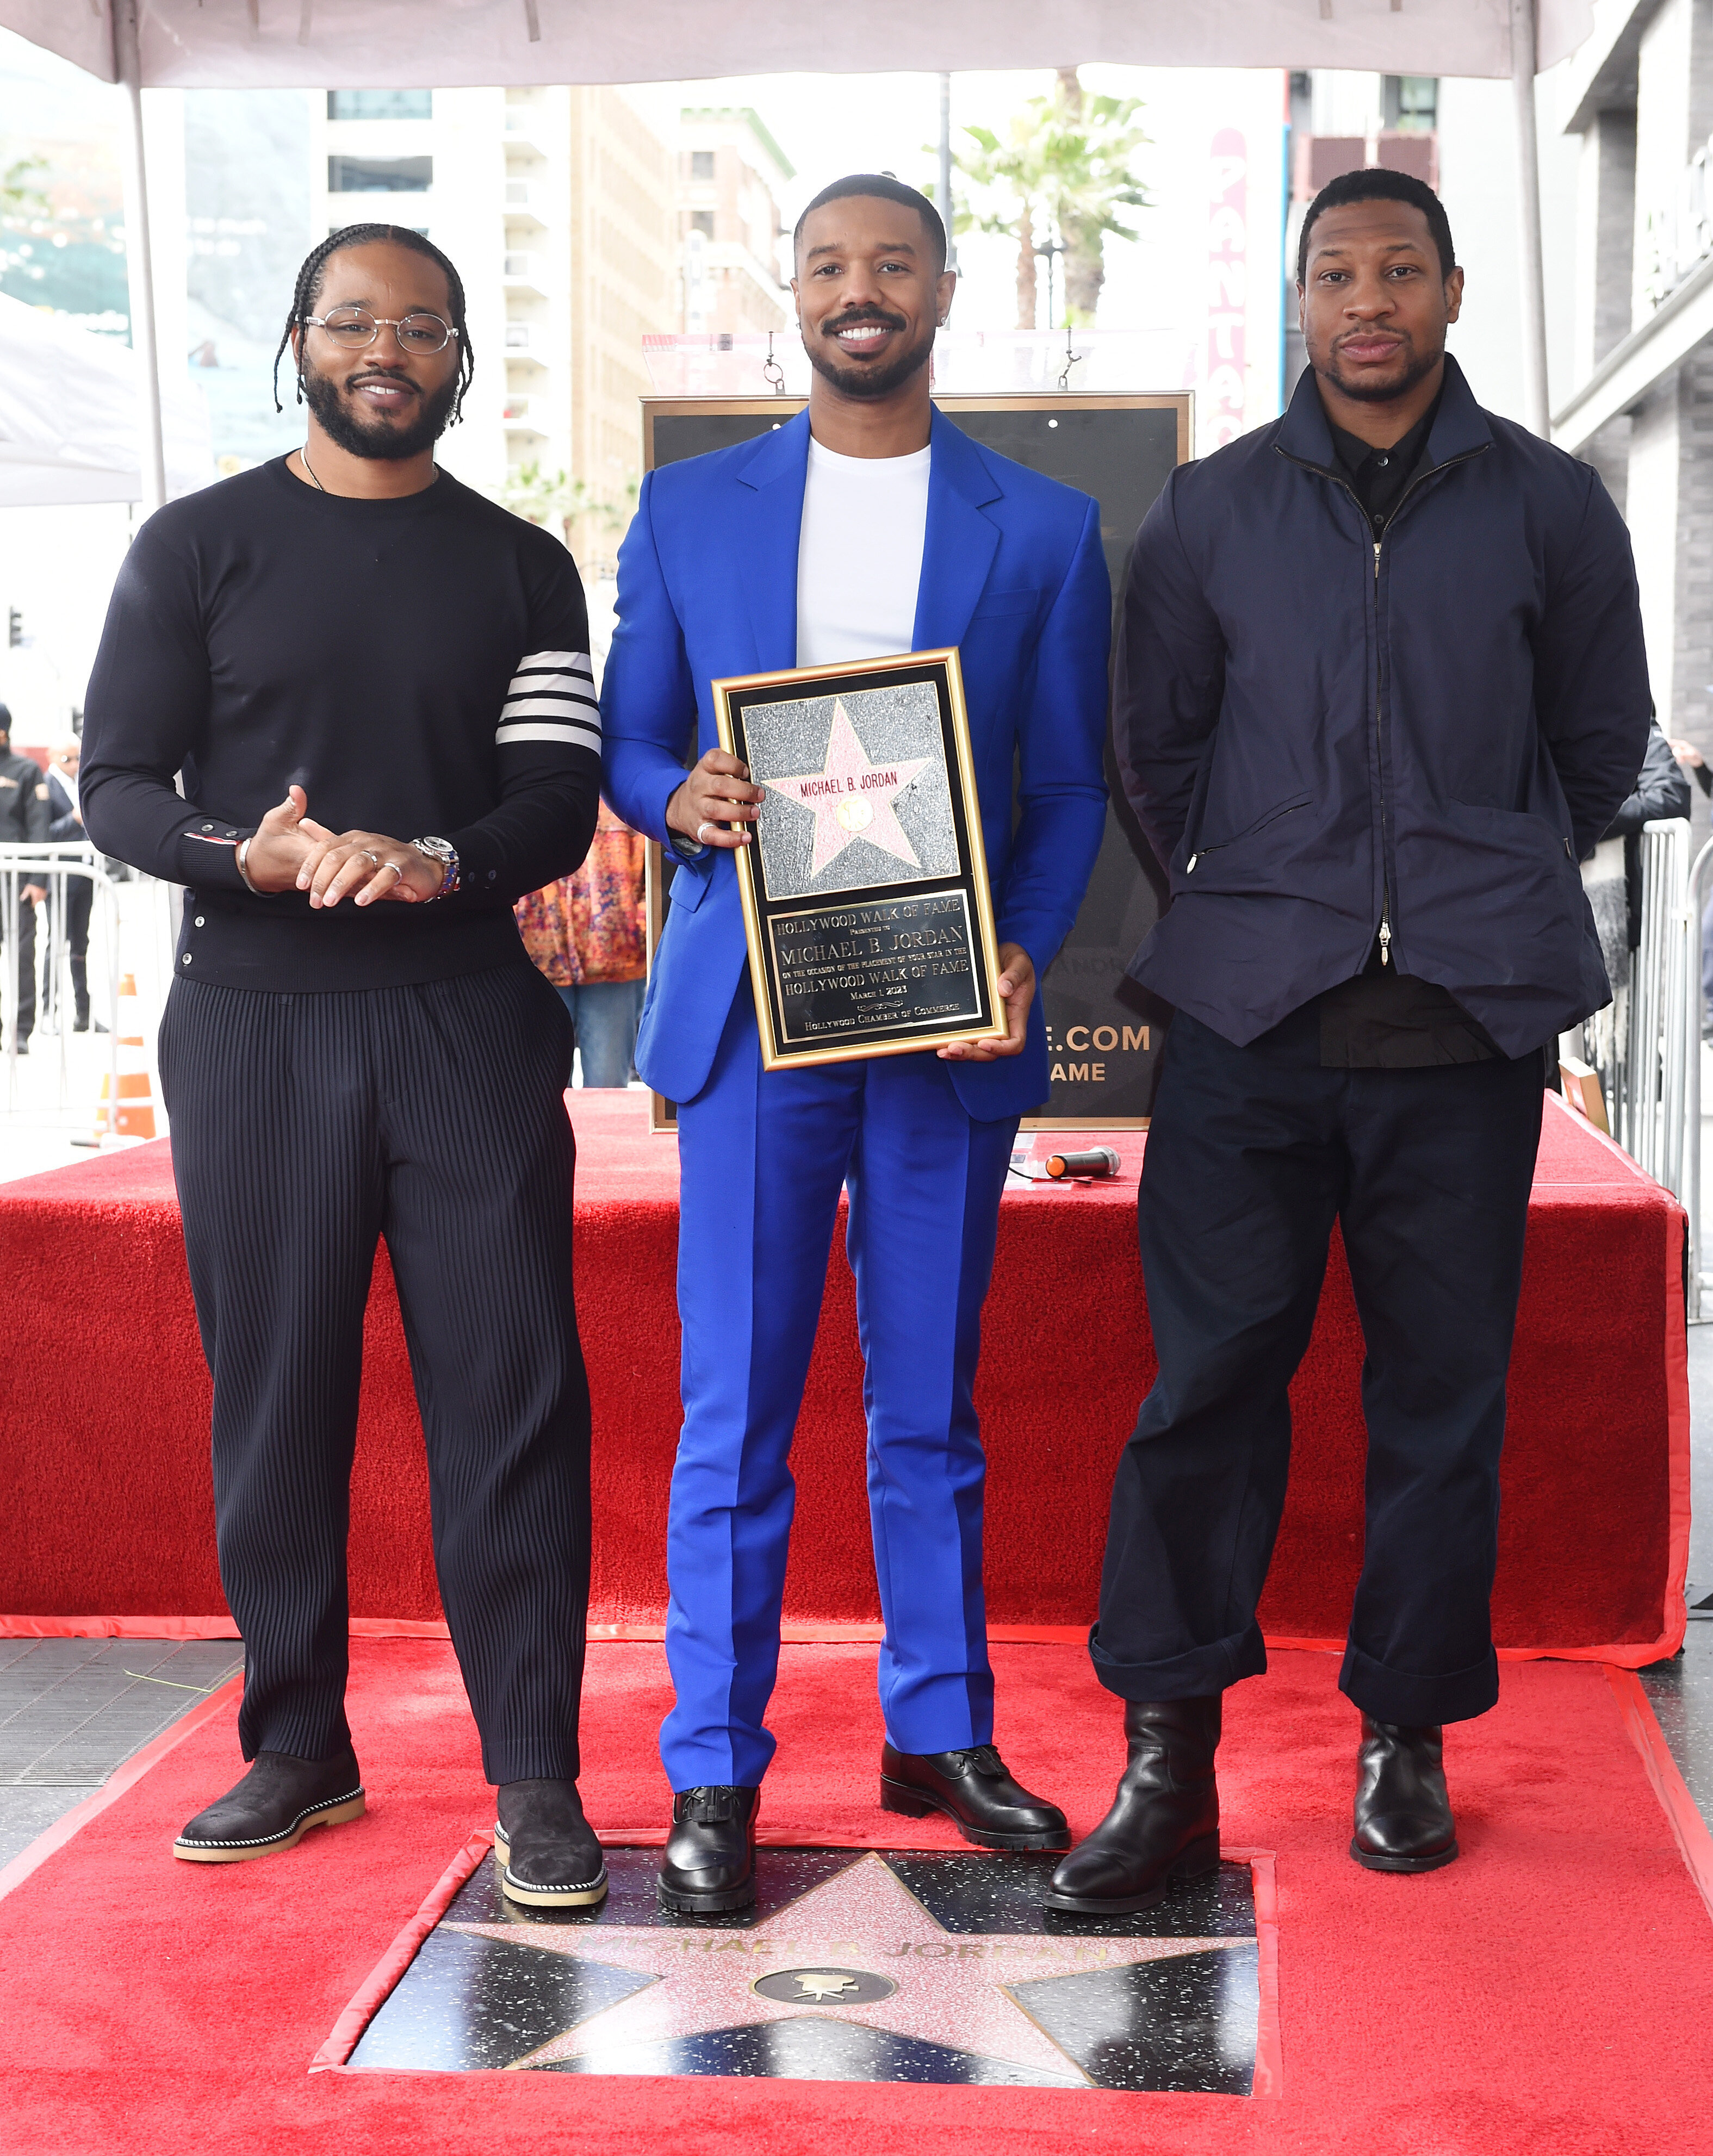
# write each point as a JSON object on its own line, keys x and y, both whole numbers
{"x": 1250, "y": 831}
{"x": 1004, "y": 603}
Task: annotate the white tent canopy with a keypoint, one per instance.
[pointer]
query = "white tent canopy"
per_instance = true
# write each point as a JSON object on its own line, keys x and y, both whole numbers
{"x": 433, "y": 43}
{"x": 69, "y": 417}
{"x": 430, "y": 44}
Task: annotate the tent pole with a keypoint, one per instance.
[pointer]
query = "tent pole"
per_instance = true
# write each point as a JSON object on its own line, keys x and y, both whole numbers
{"x": 1533, "y": 279}
{"x": 127, "y": 58}
{"x": 944, "y": 204}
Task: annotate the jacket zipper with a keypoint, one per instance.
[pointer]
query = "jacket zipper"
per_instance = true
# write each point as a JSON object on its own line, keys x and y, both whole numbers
{"x": 1420, "y": 479}
{"x": 1201, "y": 852}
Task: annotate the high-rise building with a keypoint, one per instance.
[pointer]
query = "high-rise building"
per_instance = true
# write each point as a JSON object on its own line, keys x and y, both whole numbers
{"x": 729, "y": 227}
{"x": 556, "y": 206}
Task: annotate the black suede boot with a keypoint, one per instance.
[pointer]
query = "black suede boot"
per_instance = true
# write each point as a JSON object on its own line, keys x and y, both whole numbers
{"x": 273, "y": 1807}
{"x": 1164, "y": 1824}
{"x": 709, "y": 1861}
{"x": 1403, "y": 1815}
{"x": 550, "y": 1856}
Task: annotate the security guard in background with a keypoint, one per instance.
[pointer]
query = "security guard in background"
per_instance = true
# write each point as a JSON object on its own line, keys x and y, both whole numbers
{"x": 23, "y": 822}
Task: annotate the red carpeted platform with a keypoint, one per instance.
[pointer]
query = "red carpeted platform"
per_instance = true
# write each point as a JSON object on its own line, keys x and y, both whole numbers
{"x": 1551, "y": 1991}
{"x": 104, "y": 1403}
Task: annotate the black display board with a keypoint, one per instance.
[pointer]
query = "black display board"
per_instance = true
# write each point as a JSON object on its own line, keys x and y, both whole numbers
{"x": 1103, "y": 1032}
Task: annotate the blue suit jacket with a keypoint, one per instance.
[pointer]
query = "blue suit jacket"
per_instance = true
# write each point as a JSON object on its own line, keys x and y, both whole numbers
{"x": 1013, "y": 574}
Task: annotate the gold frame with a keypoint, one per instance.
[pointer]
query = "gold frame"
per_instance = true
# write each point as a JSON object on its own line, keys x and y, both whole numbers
{"x": 979, "y": 894}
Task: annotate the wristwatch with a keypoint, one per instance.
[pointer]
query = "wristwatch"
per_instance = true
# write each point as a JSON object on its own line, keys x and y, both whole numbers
{"x": 444, "y": 856}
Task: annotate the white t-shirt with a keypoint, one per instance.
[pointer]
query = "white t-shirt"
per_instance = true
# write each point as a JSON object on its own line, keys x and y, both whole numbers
{"x": 859, "y": 559}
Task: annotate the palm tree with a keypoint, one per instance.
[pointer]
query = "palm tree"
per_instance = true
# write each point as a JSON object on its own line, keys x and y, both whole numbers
{"x": 1062, "y": 168}
{"x": 1014, "y": 170}
{"x": 1096, "y": 181}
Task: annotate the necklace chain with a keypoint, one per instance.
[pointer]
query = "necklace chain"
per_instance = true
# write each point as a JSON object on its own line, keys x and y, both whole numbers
{"x": 303, "y": 458}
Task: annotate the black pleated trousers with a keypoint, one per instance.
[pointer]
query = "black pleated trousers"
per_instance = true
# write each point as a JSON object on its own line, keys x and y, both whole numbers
{"x": 303, "y": 1128}
{"x": 1253, "y": 1153}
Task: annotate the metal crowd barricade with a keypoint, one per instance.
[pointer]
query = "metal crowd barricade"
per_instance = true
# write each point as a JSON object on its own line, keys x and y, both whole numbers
{"x": 1652, "y": 1124}
{"x": 1694, "y": 902}
{"x": 54, "y": 869}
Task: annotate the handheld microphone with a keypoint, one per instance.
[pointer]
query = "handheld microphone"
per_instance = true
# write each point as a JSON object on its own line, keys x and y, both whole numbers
{"x": 1099, "y": 1160}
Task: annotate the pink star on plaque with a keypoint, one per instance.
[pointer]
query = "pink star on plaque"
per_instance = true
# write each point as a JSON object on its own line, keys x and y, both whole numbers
{"x": 861, "y": 1947}
{"x": 851, "y": 798}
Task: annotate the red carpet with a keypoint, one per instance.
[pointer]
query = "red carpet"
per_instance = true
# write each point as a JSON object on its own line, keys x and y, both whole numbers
{"x": 104, "y": 1440}
{"x": 1550, "y": 1992}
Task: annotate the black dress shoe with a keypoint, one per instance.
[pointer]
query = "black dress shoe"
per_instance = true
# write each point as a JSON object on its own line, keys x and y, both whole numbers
{"x": 1403, "y": 1815}
{"x": 273, "y": 1807}
{"x": 976, "y": 1795}
{"x": 1164, "y": 1825}
{"x": 549, "y": 1856}
{"x": 711, "y": 1853}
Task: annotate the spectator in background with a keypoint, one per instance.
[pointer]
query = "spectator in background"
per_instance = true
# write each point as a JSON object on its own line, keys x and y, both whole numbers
{"x": 23, "y": 822}
{"x": 586, "y": 934}
{"x": 65, "y": 823}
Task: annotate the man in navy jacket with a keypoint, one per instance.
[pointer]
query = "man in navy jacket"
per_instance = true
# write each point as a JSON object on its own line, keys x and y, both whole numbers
{"x": 1381, "y": 684}
{"x": 870, "y": 525}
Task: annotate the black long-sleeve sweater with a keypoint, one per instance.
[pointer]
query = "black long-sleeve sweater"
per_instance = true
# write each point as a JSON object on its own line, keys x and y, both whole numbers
{"x": 418, "y": 666}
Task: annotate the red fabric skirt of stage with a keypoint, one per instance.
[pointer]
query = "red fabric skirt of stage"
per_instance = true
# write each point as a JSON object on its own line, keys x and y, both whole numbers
{"x": 108, "y": 1523}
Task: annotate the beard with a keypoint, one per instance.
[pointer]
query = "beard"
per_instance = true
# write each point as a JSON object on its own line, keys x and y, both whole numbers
{"x": 378, "y": 438}
{"x": 866, "y": 382}
{"x": 1374, "y": 393}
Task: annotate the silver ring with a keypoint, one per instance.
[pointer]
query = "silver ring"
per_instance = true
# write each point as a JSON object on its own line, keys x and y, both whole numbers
{"x": 702, "y": 831}
{"x": 396, "y": 869}
{"x": 368, "y": 857}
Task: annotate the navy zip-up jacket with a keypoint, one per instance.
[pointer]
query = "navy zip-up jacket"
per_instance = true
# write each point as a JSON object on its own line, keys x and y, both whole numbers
{"x": 1321, "y": 733}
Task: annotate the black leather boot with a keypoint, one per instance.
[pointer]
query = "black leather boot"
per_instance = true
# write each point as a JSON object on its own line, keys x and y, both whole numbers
{"x": 711, "y": 1853}
{"x": 1164, "y": 1824}
{"x": 273, "y": 1808}
{"x": 1403, "y": 1815}
{"x": 976, "y": 1793}
{"x": 548, "y": 1850}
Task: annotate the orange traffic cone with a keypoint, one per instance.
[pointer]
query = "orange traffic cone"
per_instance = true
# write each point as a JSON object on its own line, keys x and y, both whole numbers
{"x": 131, "y": 1115}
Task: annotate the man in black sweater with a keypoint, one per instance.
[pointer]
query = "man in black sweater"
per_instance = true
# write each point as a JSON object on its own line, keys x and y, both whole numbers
{"x": 375, "y": 688}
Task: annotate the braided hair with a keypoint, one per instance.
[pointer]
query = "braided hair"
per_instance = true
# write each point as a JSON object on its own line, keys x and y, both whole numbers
{"x": 308, "y": 291}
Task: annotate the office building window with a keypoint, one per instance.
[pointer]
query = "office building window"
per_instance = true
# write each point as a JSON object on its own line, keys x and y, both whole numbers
{"x": 701, "y": 164}
{"x": 380, "y": 105}
{"x": 1412, "y": 103}
{"x": 702, "y": 221}
{"x": 379, "y": 175}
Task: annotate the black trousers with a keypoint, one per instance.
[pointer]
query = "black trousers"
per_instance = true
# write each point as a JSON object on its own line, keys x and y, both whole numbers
{"x": 1252, "y": 1154}
{"x": 80, "y": 897}
{"x": 24, "y": 957}
{"x": 304, "y": 1127}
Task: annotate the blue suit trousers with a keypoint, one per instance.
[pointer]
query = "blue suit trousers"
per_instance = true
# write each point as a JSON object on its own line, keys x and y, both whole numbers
{"x": 764, "y": 1155}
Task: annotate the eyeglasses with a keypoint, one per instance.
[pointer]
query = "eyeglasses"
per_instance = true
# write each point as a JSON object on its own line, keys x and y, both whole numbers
{"x": 353, "y": 327}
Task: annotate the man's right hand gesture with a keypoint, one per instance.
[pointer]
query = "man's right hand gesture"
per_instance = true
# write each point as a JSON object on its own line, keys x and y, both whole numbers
{"x": 284, "y": 840}
{"x": 715, "y": 793}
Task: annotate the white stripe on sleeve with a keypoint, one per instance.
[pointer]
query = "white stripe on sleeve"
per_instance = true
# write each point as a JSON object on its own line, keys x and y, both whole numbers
{"x": 573, "y": 733}
{"x": 559, "y": 662}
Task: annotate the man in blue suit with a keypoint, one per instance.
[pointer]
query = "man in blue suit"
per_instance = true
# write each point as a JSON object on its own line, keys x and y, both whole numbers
{"x": 868, "y": 526}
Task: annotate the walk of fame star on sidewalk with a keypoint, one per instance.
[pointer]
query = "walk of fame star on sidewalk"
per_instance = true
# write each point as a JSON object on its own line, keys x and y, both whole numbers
{"x": 950, "y": 1988}
{"x": 851, "y": 798}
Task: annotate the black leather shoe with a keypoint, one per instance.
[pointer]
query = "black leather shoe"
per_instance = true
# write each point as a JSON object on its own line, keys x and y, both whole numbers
{"x": 549, "y": 1856}
{"x": 273, "y": 1807}
{"x": 976, "y": 1795}
{"x": 1164, "y": 1825}
{"x": 710, "y": 1854}
{"x": 1403, "y": 1815}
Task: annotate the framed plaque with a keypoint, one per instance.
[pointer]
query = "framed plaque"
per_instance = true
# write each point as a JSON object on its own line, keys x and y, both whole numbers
{"x": 864, "y": 885}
